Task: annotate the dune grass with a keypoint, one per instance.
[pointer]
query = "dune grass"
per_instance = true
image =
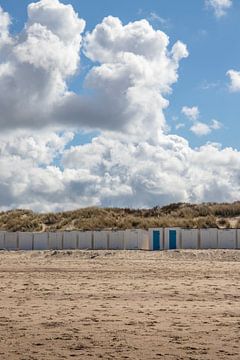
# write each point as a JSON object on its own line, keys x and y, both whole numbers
{"x": 204, "y": 215}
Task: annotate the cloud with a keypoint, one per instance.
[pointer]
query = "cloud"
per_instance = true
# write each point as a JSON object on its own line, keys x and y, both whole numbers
{"x": 132, "y": 161}
{"x": 207, "y": 85}
{"x": 36, "y": 64}
{"x": 192, "y": 113}
{"x": 41, "y": 147}
{"x": 179, "y": 126}
{"x": 126, "y": 89}
{"x": 135, "y": 74}
{"x": 219, "y": 7}
{"x": 28, "y": 175}
{"x": 200, "y": 128}
{"x": 234, "y": 76}
{"x": 216, "y": 125}
{"x": 5, "y": 22}
{"x": 113, "y": 172}
{"x": 126, "y": 174}
{"x": 155, "y": 18}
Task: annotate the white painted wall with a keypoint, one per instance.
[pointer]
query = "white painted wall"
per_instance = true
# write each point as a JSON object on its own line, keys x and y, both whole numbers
{"x": 85, "y": 240}
{"x": 166, "y": 238}
{"x": 227, "y": 239}
{"x": 2, "y": 242}
{"x": 70, "y": 240}
{"x": 100, "y": 240}
{"x": 55, "y": 240}
{"x": 208, "y": 238}
{"x": 189, "y": 238}
{"x": 238, "y": 238}
{"x": 116, "y": 240}
{"x": 127, "y": 239}
{"x": 40, "y": 241}
{"x": 25, "y": 241}
{"x": 11, "y": 240}
{"x": 143, "y": 240}
{"x": 131, "y": 239}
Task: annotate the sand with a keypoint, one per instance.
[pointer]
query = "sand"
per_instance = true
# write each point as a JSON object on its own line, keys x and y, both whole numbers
{"x": 120, "y": 305}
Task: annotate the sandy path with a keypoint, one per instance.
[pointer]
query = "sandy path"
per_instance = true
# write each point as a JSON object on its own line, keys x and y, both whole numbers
{"x": 120, "y": 305}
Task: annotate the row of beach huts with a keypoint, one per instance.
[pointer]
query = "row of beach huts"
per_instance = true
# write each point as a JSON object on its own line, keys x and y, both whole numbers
{"x": 153, "y": 239}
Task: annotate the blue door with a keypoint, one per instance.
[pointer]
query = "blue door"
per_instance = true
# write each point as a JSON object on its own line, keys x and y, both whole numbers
{"x": 156, "y": 240}
{"x": 172, "y": 239}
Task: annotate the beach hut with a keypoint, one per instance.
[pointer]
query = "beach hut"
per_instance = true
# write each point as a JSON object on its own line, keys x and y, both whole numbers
{"x": 131, "y": 239}
{"x": 238, "y": 239}
{"x": 85, "y": 240}
{"x": 70, "y": 240}
{"x": 208, "y": 239}
{"x": 101, "y": 240}
{"x": 172, "y": 238}
{"x": 11, "y": 241}
{"x": 2, "y": 240}
{"x": 144, "y": 240}
{"x": 55, "y": 240}
{"x": 227, "y": 239}
{"x": 25, "y": 241}
{"x": 116, "y": 240}
{"x": 156, "y": 240}
{"x": 40, "y": 241}
{"x": 189, "y": 239}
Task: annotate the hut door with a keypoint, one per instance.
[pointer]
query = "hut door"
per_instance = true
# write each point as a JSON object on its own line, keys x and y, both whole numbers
{"x": 172, "y": 239}
{"x": 156, "y": 240}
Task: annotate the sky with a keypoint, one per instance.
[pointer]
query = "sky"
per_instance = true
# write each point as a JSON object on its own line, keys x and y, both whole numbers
{"x": 108, "y": 103}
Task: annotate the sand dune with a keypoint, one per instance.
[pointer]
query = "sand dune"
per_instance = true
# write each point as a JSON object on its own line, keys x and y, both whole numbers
{"x": 120, "y": 305}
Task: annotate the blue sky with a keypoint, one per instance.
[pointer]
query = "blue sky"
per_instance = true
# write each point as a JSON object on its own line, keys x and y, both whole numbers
{"x": 106, "y": 112}
{"x": 213, "y": 45}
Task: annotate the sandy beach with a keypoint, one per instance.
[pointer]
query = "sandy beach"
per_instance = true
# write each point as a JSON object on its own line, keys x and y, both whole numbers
{"x": 120, "y": 305}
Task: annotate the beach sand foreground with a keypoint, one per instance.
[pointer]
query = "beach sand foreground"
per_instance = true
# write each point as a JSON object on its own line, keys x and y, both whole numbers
{"x": 120, "y": 305}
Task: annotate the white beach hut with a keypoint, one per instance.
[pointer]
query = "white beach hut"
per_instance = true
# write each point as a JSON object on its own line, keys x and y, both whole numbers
{"x": 2, "y": 240}
{"x": 238, "y": 239}
{"x": 40, "y": 241}
{"x": 55, "y": 240}
{"x": 85, "y": 240}
{"x": 70, "y": 240}
{"x": 11, "y": 241}
{"x": 25, "y": 241}
{"x": 116, "y": 240}
{"x": 208, "y": 238}
{"x": 131, "y": 240}
{"x": 156, "y": 239}
{"x": 227, "y": 239}
{"x": 190, "y": 238}
{"x": 172, "y": 238}
{"x": 101, "y": 240}
{"x": 144, "y": 240}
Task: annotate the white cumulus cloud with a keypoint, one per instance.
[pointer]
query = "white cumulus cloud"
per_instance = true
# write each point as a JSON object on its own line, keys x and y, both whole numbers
{"x": 132, "y": 161}
{"x": 35, "y": 66}
{"x": 135, "y": 72}
{"x": 113, "y": 172}
{"x": 199, "y": 128}
{"x": 234, "y": 76}
{"x": 5, "y": 22}
{"x": 216, "y": 125}
{"x": 128, "y": 88}
{"x": 192, "y": 113}
{"x": 219, "y": 7}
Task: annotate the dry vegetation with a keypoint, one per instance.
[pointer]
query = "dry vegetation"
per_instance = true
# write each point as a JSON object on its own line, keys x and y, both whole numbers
{"x": 179, "y": 214}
